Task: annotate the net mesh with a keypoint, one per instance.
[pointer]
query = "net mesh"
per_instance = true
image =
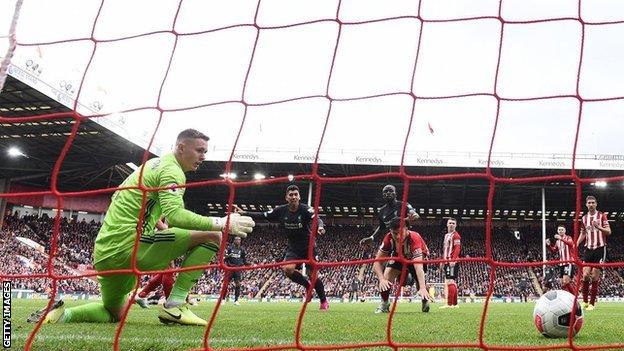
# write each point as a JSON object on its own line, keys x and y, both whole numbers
{"x": 319, "y": 180}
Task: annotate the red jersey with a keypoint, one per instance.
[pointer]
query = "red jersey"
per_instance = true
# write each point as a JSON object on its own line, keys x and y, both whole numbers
{"x": 413, "y": 245}
{"x": 594, "y": 238}
{"x": 563, "y": 246}
{"x": 452, "y": 245}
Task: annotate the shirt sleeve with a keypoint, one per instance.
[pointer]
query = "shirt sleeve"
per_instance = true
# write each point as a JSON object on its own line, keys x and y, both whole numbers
{"x": 382, "y": 225}
{"x": 456, "y": 246}
{"x": 386, "y": 245}
{"x": 309, "y": 214}
{"x": 552, "y": 247}
{"x": 409, "y": 209}
{"x": 417, "y": 245}
{"x": 567, "y": 240}
{"x": 172, "y": 203}
{"x": 271, "y": 216}
{"x": 275, "y": 214}
{"x": 604, "y": 222}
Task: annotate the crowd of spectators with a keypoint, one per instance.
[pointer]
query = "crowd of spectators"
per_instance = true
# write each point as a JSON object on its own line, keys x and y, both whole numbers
{"x": 510, "y": 243}
{"x": 20, "y": 259}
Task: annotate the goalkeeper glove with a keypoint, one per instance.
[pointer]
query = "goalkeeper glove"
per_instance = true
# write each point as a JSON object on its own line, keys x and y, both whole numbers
{"x": 239, "y": 225}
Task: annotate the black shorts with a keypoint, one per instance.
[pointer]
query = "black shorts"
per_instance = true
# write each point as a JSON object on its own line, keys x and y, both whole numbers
{"x": 291, "y": 255}
{"x": 411, "y": 277}
{"x": 566, "y": 269}
{"x": 598, "y": 255}
{"x": 451, "y": 272}
{"x": 236, "y": 276}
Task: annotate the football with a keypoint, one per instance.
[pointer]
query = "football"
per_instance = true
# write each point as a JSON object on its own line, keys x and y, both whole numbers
{"x": 552, "y": 314}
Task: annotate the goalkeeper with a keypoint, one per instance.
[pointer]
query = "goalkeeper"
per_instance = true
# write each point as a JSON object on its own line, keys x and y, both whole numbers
{"x": 191, "y": 235}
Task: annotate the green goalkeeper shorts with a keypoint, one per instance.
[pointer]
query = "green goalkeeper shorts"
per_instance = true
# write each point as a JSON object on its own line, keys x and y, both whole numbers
{"x": 155, "y": 252}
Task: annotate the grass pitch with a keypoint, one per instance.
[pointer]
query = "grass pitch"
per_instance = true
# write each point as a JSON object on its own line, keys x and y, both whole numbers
{"x": 270, "y": 324}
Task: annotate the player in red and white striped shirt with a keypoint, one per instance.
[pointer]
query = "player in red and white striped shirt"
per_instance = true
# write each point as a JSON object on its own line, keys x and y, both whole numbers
{"x": 564, "y": 245}
{"x": 594, "y": 231}
{"x": 452, "y": 246}
{"x": 413, "y": 247}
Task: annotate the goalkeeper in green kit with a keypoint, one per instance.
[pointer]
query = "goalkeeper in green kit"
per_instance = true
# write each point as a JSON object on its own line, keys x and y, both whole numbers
{"x": 191, "y": 235}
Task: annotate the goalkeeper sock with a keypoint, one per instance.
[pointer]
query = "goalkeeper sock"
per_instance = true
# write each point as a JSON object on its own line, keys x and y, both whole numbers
{"x": 585, "y": 290}
{"x": 199, "y": 255}
{"x": 91, "y": 312}
{"x": 594, "y": 291}
{"x": 299, "y": 279}
{"x": 320, "y": 290}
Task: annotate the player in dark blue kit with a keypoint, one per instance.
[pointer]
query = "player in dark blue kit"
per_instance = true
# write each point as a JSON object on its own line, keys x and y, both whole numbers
{"x": 295, "y": 219}
{"x": 389, "y": 211}
{"x": 235, "y": 257}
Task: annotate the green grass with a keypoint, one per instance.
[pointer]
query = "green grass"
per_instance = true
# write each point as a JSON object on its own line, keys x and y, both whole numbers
{"x": 262, "y": 324}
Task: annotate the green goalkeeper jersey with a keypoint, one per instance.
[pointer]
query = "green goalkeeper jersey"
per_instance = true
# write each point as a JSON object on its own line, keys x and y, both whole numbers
{"x": 121, "y": 222}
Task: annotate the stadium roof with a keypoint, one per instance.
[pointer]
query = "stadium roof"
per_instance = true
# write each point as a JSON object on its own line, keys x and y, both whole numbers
{"x": 98, "y": 157}
{"x": 534, "y": 137}
{"x": 284, "y": 70}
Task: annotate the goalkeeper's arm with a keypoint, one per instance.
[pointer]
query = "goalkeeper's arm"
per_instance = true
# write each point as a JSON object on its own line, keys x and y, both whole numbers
{"x": 172, "y": 206}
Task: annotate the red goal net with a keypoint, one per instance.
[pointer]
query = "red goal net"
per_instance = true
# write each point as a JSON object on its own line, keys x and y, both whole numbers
{"x": 496, "y": 88}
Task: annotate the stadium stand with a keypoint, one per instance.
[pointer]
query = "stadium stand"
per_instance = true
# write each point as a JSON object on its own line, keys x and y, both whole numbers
{"x": 267, "y": 245}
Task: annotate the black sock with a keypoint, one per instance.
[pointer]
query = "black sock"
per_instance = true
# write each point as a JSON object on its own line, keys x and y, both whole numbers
{"x": 299, "y": 279}
{"x": 320, "y": 290}
{"x": 385, "y": 295}
{"x": 236, "y": 292}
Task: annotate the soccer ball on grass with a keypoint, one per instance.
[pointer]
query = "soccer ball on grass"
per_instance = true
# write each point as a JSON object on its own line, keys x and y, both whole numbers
{"x": 552, "y": 314}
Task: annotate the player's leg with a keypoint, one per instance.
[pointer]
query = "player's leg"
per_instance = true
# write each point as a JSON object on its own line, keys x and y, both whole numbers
{"x": 585, "y": 285}
{"x": 599, "y": 257}
{"x": 452, "y": 291}
{"x": 454, "y": 270}
{"x": 411, "y": 270}
{"x": 566, "y": 280}
{"x": 167, "y": 282}
{"x": 200, "y": 249}
{"x": 391, "y": 273}
{"x": 319, "y": 287}
{"x": 113, "y": 288}
{"x": 596, "y": 273}
{"x": 446, "y": 273}
{"x": 566, "y": 284}
{"x": 226, "y": 293}
{"x": 236, "y": 277}
{"x": 164, "y": 246}
{"x": 152, "y": 284}
{"x": 292, "y": 273}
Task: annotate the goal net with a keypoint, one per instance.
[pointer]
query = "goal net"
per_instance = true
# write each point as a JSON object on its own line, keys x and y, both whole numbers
{"x": 484, "y": 85}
